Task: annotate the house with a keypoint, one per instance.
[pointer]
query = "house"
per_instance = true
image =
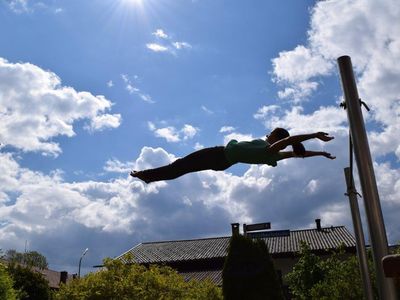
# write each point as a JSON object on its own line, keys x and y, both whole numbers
{"x": 204, "y": 258}
{"x": 55, "y": 278}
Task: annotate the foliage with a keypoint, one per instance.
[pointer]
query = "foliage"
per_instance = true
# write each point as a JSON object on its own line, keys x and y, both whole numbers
{"x": 28, "y": 283}
{"x": 342, "y": 279}
{"x": 6, "y": 285}
{"x": 249, "y": 272}
{"x": 29, "y": 259}
{"x": 305, "y": 274}
{"x": 336, "y": 277}
{"x": 125, "y": 281}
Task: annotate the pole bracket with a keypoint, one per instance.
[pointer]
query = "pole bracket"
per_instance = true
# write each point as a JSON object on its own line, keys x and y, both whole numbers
{"x": 353, "y": 192}
{"x": 362, "y": 103}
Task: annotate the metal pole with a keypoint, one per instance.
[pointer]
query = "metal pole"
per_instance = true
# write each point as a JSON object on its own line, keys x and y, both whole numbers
{"x": 80, "y": 261}
{"x": 358, "y": 231}
{"x": 362, "y": 153}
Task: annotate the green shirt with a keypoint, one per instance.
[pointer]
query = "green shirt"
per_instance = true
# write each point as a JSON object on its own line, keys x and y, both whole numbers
{"x": 253, "y": 152}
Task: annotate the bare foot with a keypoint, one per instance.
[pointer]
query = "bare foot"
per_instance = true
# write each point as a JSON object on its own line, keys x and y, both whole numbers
{"x": 140, "y": 175}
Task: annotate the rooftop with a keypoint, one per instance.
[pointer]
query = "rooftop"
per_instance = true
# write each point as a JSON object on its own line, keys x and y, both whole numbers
{"x": 280, "y": 242}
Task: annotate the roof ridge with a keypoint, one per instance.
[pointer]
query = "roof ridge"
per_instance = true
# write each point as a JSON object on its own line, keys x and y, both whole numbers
{"x": 315, "y": 229}
{"x": 187, "y": 240}
{"x": 224, "y": 237}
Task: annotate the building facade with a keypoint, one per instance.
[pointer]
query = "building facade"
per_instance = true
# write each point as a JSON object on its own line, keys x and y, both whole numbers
{"x": 204, "y": 258}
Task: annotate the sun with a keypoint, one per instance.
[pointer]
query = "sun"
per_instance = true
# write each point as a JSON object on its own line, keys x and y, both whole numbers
{"x": 134, "y": 2}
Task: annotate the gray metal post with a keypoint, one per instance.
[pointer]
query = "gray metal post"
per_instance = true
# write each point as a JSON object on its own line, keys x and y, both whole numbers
{"x": 362, "y": 153}
{"x": 358, "y": 231}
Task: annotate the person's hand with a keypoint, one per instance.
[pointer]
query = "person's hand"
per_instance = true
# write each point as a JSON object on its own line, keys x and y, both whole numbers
{"x": 328, "y": 155}
{"x": 323, "y": 136}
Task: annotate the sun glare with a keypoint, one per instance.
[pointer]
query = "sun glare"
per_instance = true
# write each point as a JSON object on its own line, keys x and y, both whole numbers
{"x": 134, "y": 2}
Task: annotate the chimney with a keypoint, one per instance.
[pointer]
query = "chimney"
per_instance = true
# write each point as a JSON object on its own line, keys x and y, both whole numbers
{"x": 235, "y": 229}
{"x": 318, "y": 223}
{"x": 63, "y": 277}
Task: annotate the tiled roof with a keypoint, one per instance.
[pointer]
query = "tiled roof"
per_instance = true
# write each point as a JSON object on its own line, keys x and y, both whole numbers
{"x": 279, "y": 242}
{"x": 214, "y": 275}
{"x": 53, "y": 277}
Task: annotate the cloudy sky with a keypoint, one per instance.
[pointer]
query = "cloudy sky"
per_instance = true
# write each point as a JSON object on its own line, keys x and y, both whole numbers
{"x": 92, "y": 89}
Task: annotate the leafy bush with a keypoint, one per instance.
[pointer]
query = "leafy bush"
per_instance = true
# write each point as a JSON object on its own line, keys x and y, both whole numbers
{"x": 336, "y": 277}
{"x": 120, "y": 281}
{"x": 29, "y": 284}
{"x": 6, "y": 285}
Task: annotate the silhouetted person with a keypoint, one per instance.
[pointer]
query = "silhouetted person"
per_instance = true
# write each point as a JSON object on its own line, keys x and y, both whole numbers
{"x": 220, "y": 158}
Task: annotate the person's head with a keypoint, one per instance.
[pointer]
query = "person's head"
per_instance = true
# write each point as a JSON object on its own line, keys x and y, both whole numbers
{"x": 281, "y": 133}
{"x": 277, "y": 134}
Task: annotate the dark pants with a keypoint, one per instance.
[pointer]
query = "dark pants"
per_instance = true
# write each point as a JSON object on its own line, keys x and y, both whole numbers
{"x": 205, "y": 159}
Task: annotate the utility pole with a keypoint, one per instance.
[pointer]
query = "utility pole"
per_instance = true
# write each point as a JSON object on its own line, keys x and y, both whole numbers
{"x": 358, "y": 231}
{"x": 366, "y": 172}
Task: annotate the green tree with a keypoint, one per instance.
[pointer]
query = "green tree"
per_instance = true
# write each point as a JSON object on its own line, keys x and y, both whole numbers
{"x": 249, "y": 272}
{"x": 123, "y": 281}
{"x": 29, "y": 284}
{"x": 336, "y": 277}
{"x": 305, "y": 274}
{"x": 29, "y": 259}
{"x": 342, "y": 279}
{"x": 6, "y": 285}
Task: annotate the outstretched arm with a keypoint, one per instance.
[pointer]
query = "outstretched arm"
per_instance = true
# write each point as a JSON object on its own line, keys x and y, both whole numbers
{"x": 319, "y": 153}
{"x": 291, "y": 154}
{"x": 283, "y": 143}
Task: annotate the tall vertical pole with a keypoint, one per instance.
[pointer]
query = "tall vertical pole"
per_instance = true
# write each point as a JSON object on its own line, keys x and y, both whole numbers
{"x": 358, "y": 231}
{"x": 362, "y": 153}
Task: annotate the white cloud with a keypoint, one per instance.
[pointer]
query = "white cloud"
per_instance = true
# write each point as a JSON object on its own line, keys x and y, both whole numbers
{"x": 173, "y": 135}
{"x": 366, "y": 31}
{"x": 226, "y": 129}
{"x": 312, "y": 186}
{"x": 181, "y": 45}
{"x": 265, "y": 111}
{"x": 160, "y": 34}
{"x": 299, "y": 65}
{"x": 35, "y": 107}
{"x": 164, "y": 43}
{"x": 132, "y": 89}
{"x": 102, "y": 122}
{"x": 369, "y": 32}
{"x": 53, "y": 214}
{"x": 156, "y": 47}
{"x": 238, "y": 136}
{"x": 169, "y": 133}
{"x": 188, "y": 131}
{"x": 205, "y": 109}
{"x": 298, "y": 91}
{"x": 110, "y": 83}
{"x": 116, "y": 166}
{"x": 198, "y": 146}
{"x": 19, "y": 6}
{"x": 146, "y": 98}
{"x": 296, "y": 68}
{"x": 29, "y": 6}
{"x": 151, "y": 126}
{"x": 329, "y": 119}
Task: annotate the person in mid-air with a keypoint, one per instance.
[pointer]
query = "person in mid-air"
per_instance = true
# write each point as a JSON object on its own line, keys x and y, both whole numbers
{"x": 259, "y": 151}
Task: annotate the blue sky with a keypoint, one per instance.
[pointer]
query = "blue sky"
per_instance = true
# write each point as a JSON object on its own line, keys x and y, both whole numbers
{"x": 92, "y": 89}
